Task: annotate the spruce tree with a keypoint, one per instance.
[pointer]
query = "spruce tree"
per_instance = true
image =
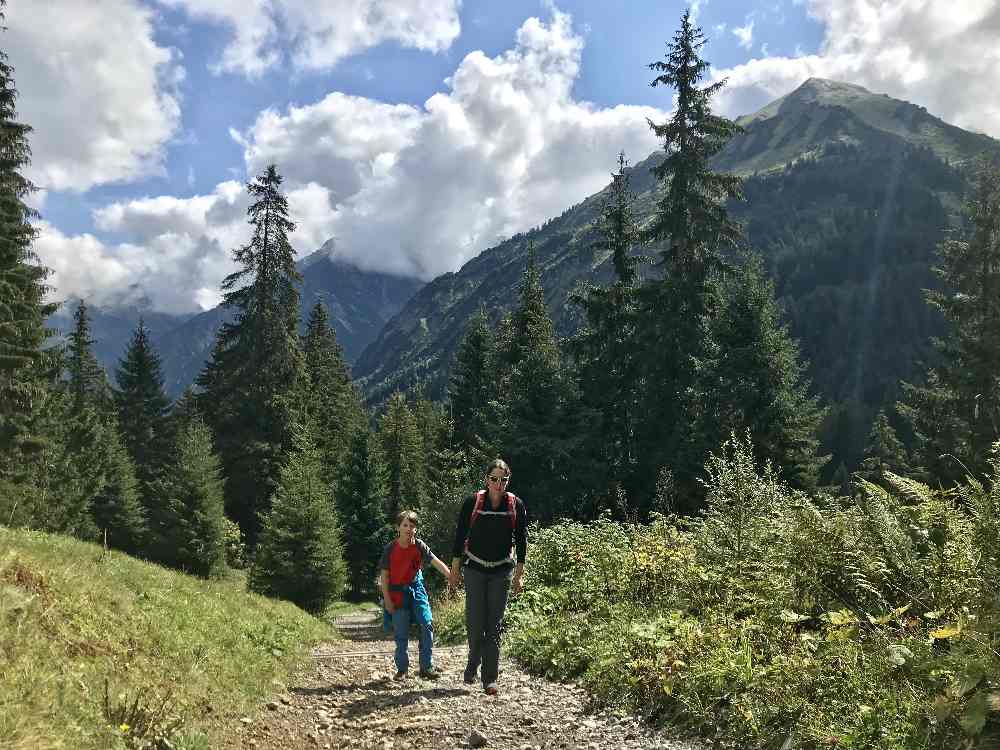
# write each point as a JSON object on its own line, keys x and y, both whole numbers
{"x": 969, "y": 267}
{"x": 253, "y": 384}
{"x": 538, "y": 437}
{"x": 333, "y": 402}
{"x": 757, "y": 383}
{"x": 88, "y": 383}
{"x": 22, "y": 290}
{"x": 142, "y": 407}
{"x": 405, "y": 459}
{"x": 117, "y": 508}
{"x": 605, "y": 348}
{"x": 361, "y": 490}
{"x": 884, "y": 451}
{"x": 300, "y": 557}
{"x": 691, "y": 226}
{"x": 471, "y": 385}
{"x": 187, "y": 525}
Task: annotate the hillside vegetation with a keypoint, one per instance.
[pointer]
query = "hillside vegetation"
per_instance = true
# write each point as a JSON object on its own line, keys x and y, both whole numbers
{"x": 99, "y": 650}
{"x": 780, "y": 620}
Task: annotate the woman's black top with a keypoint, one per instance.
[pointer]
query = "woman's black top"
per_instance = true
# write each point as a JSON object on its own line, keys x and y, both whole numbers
{"x": 491, "y": 537}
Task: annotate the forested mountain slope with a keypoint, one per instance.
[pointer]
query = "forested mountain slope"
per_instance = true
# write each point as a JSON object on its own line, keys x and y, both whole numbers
{"x": 848, "y": 192}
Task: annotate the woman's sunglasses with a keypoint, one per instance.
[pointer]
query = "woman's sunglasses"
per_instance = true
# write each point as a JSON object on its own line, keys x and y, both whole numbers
{"x": 496, "y": 480}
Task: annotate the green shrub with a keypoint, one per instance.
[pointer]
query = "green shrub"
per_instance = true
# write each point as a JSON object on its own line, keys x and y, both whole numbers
{"x": 782, "y": 620}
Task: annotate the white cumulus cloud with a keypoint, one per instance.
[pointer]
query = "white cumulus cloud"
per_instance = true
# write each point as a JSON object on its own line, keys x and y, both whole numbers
{"x": 943, "y": 56}
{"x": 744, "y": 34}
{"x": 318, "y": 35}
{"x": 176, "y": 251}
{"x": 420, "y": 191}
{"x": 98, "y": 90}
{"x": 401, "y": 189}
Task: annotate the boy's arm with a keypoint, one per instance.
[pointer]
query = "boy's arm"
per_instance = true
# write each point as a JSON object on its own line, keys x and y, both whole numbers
{"x": 441, "y": 567}
{"x": 383, "y": 581}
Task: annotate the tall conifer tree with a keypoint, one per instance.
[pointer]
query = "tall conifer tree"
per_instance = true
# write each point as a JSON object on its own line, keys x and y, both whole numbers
{"x": 605, "y": 347}
{"x": 403, "y": 449}
{"x": 22, "y": 289}
{"x": 537, "y": 435}
{"x": 361, "y": 490}
{"x": 142, "y": 407}
{"x": 472, "y": 385}
{"x": 187, "y": 525}
{"x": 757, "y": 380}
{"x": 691, "y": 226}
{"x": 253, "y": 384}
{"x": 966, "y": 386}
{"x": 333, "y": 402}
{"x": 300, "y": 557}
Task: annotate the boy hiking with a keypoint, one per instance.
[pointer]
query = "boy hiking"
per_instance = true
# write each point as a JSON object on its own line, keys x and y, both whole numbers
{"x": 404, "y": 596}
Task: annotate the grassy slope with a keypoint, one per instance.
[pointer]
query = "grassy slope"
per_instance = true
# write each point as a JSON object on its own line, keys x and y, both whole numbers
{"x": 72, "y": 617}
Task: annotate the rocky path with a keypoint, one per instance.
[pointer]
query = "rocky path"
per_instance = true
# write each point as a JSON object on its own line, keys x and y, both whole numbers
{"x": 346, "y": 699}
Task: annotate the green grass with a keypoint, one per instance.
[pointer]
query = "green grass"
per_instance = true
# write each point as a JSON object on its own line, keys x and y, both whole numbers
{"x": 180, "y": 654}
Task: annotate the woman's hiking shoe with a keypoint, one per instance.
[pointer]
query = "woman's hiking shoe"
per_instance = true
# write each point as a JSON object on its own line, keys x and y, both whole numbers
{"x": 469, "y": 676}
{"x": 400, "y": 676}
{"x": 430, "y": 674}
{"x": 492, "y": 689}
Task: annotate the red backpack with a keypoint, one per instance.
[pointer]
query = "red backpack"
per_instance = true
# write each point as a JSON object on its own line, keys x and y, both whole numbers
{"x": 477, "y": 508}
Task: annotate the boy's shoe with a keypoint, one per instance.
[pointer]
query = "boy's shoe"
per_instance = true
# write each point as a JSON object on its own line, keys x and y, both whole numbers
{"x": 430, "y": 674}
{"x": 492, "y": 689}
{"x": 400, "y": 676}
{"x": 469, "y": 676}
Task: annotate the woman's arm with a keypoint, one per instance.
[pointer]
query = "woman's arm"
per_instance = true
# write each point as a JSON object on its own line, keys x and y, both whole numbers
{"x": 461, "y": 532}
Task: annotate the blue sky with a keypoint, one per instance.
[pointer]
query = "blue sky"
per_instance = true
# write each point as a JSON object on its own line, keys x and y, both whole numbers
{"x": 135, "y": 142}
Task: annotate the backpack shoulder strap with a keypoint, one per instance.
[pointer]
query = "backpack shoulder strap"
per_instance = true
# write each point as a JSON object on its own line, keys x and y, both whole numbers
{"x": 477, "y": 507}
{"x": 512, "y": 509}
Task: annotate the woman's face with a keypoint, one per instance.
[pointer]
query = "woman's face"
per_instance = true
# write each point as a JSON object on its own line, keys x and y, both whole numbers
{"x": 496, "y": 479}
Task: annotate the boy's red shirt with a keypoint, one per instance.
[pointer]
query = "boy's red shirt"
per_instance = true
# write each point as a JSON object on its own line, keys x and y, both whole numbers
{"x": 403, "y": 563}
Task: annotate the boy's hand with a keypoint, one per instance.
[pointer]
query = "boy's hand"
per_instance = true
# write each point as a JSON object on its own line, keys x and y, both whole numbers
{"x": 516, "y": 586}
{"x": 389, "y": 606}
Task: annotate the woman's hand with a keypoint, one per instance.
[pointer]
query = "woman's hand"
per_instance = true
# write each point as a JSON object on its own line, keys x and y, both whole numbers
{"x": 389, "y": 606}
{"x": 516, "y": 586}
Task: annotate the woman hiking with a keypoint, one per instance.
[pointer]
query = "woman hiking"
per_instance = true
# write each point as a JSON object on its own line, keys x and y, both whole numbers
{"x": 491, "y": 524}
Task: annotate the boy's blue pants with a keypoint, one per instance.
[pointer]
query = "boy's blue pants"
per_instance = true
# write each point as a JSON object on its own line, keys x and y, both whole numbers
{"x": 416, "y": 608}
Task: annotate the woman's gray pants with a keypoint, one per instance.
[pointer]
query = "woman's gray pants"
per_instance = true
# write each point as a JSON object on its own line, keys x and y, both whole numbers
{"x": 485, "y": 602}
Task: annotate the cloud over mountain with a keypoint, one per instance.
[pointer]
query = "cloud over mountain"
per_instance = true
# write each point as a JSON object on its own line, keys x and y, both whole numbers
{"x": 420, "y": 191}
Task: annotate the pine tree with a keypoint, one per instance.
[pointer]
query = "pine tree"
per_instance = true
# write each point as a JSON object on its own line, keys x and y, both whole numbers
{"x": 757, "y": 381}
{"x": 142, "y": 407}
{"x": 884, "y": 452}
{"x": 187, "y": 524}
{"x": 116, "y": 508}
{"x": 471, "y": 385}
{"x": 252, "y": 387}
{"x": 403, "y": 449}
{"x": 605, "y": 348}
{"x": 333, "y": 402}
{"x": 690, "y": 214}
{"x": 88, "y": 383}
{"x": 361, "y": 490}
{"x": 970, "y": 303}
{"x": 675, "y": 311}
{"x": 538, "y": 436}
{"x": 22, "y": 290}
{"x": 300, "y": 557}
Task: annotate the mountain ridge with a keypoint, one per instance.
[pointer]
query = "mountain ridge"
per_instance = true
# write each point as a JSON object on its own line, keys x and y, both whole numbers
{"x": 784, "y": 141}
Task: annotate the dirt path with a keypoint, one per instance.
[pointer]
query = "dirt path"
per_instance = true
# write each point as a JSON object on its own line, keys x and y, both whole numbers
{"x": 346, "y": 699}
